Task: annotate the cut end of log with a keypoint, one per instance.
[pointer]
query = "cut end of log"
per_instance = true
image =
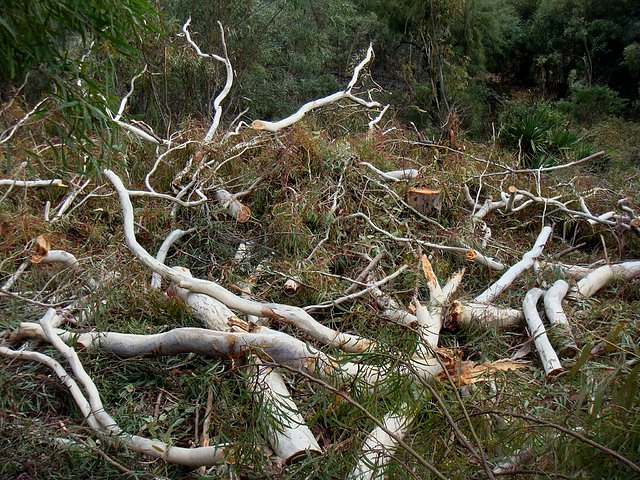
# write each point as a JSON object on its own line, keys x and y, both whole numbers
{"x": 453, "y": 316}
{"x": 244, "y": 214}
{"x": 470, "y": 255}
{"x": 291, "y": 286}
{"x": 258, "y": 125}
{"x": 555, "y": 372}
{"x": 635, "y": 222}
{"x": 424, "y": 199}
{"x": 301, "y": 455}
{"x": 512, "y": 189}
{"x": 42, "y": 247}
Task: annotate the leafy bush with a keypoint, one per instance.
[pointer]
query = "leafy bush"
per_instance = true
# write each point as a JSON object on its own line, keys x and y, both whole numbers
{"x": 589, "y": 102}
{"x": 66, "y": 51}
{"x": 541, "y": 132}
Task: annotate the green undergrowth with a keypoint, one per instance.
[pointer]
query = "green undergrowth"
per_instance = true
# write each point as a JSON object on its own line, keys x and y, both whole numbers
{"x": 312, "y": 180}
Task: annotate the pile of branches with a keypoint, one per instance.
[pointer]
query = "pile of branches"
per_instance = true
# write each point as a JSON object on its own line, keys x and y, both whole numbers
{"x": 401, "y": 215}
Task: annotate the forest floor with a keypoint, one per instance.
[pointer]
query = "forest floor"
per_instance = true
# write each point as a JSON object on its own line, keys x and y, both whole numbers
{"x": 303, "y": 186}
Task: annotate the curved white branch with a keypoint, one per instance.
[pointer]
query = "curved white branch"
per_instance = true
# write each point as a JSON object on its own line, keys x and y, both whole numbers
{"x": 547, "y": 354}
{"x": 93, "y": 410}
{"x": 307, "y": 107}
{"x": 394, "y": 175}
{"x": 217, "y": 102}
{"x": 164, "y": 196}
{"x": 470, "y": 254}
{"x": 293, "y": 315}
{"x": 490, "y": 294}
{"x": 277, "y": 346}
{"x": 602, "y": 276}
{"x": 59, "y": 256}
{"x": 161, "y": 256}
{"x": 561, "y": 328}
{"x": 379, "y": 446}
{"x": 290, "y": 437}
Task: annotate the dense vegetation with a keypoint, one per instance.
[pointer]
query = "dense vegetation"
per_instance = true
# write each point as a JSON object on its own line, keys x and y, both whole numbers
{"x": 479, "y": 91}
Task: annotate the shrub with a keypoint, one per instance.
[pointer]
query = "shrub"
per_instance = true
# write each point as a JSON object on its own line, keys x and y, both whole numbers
{"x": 541, "y": 132}
{"x": 588, "y": 102}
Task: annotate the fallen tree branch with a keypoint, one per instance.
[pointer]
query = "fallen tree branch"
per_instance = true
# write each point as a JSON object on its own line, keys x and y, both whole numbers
{"x": 560, "y": 331}
{"x": 549, "y": 358}
{"x": 217, "y": 107}
{"x": 56, "y": 182}
{"x": 287, "y": 431}
{"x": 293, "y": 315}
{"x": 490, "y": 294}
{"x": 470, "y": 254}
{"x": 93, "y": 410}
{"x": 278, "y": 346}
{"x": 602, "y": 276}
{"x": 307, "y": 107}
{"x": 161, "y": 256}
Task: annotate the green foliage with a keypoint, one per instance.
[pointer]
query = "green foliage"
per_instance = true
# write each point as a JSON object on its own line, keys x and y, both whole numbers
{"x": 66, "y": 51}
{"x": 589, "y": 103}
{"x": 284, "y": 53}
{"x": 542, "y": 133}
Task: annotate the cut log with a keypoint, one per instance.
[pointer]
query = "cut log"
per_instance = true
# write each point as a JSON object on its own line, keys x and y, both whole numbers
{"x": 236, "y": 209}
{"x": 459, "y": 314}
{"x": 560, "y": 332}
{"x": 549, "y": 358}
{"x": 601, "y": 277}
{"x": 425, "y": 200}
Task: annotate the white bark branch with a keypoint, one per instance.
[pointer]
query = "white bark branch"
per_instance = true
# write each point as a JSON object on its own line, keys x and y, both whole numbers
{"x": 549, "y": 358}
{"x": 56, "y": 182}
{"x": 490, "y": 294}
{"x": 217, "y": 102}
{"x": 93, "y": 410}
{"x": 161, "y": 256}
{"x": 307, "y": 107}
{"x": 394, "y": 175}
{"x": 602, "y": 276}
{"x": 236, "y": 209}
{"x": 283, "y": 349}
{"x": 290, "y": 437}
{"x": 459, "y": 314}
{"x": 560, "y": 327}
{"x": 470, "y": 254}
{"x": 293, "y": 315}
